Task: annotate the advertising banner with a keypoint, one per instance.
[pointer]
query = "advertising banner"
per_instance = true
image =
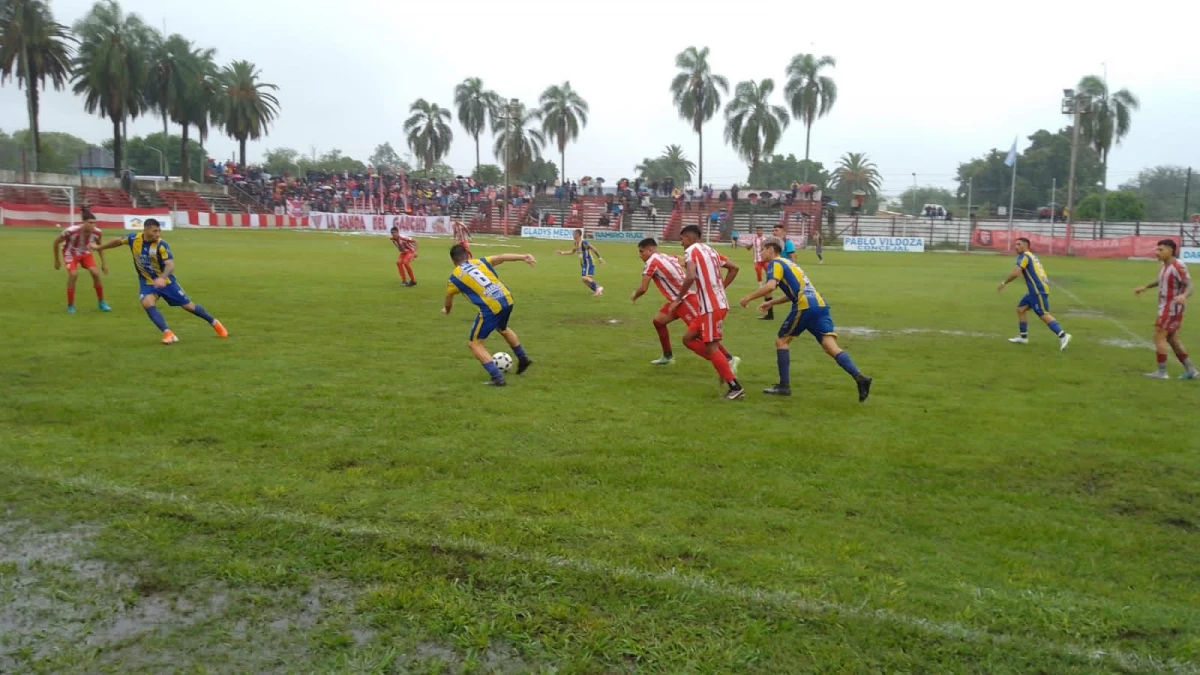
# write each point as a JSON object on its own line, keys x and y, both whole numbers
{"x": 565, "y": 233}
{"x": 888, "y": 244}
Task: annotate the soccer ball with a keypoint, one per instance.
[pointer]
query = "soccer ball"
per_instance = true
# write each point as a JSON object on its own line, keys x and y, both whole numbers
{"x": 503, "y": 361}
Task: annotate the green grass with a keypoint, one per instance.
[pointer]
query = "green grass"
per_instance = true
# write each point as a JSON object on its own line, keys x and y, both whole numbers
{"x": 992, "y": 508}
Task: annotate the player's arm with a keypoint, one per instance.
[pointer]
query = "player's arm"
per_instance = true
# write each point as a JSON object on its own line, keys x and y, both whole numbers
{"x": 164, "y": 277}
{"x": 1142, "y": 289}
{"x": 641, "y": 290}
{"x": 107, "y": 245}
{"x": 689, "y": 278}
{"x": 574, "y": 250}
{"x": 731, "y": 272}
{"x": 449, "y": 303}
{"x": 1012, "y": 275}
{"x": 512, "y": 257}
{"x": 1188, "y": 289}
{"x": 100, "y": 252}
{"x": 763, "y": 290}
{"x": 595, "y": 252}
{"x": 58, "y": 245}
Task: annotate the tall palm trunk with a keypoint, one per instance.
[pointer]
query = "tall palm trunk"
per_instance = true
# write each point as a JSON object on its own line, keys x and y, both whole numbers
{"x": 124, "y": 139}
{"x": 807, "y": 143}
{"x": 118, "y": 145}
{"x": 477, "y": 153}
{"x": 700, "y": 164}
{"x": 31, "y": 104}
{"x": 184, "y": 172}
{"x": 242, "y": 153}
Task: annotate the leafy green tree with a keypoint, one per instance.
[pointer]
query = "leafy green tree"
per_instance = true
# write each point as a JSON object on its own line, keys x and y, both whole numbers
{"x": 1162, "y": 189}
{"x": 672, "y": 163}
{"x": 439, "y": 171}
{"x": 1107, "y": 124}
{"x": 245, "y": 105}
{"x": 914, "y": 198}
{"x": 334, "y": 161}
{"x": 518, "y": 137}
{"x": 34, "y": 48}
{"x": 754, "y": 125}
{"x": 1121, "y": 207}
{"x": 539, "y": 169}
{"x": 111, "y": 67}
{"x": 778, "y": 173}
{"x": 428, "y": 131}
{"x": 10, "y": 152}
{"x": 143, "y": 158}
{"x": 476, "y": 107}
{"x": 488, "y": 174}
{"x": 59, "y": 150}
{"x": 696, "y": 91}
{"x": 278, "y": 161}
{"x": 564, "y": 113}
{"x": 385, "y": 159}
{"x": 164, "y": 81}
{"x": 810, "y": 94}
{"x": 856, "y": 171}
{"x": 1044, "y": 165}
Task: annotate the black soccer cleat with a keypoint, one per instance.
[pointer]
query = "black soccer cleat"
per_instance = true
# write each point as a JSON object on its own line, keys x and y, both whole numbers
{"x": 497, "y": 382}
{"x": 864, "y": 387}
{"x": 523, "y": 365}
{"x": 735, "y": 394}
{"x": 769, "y": 316}
{"x": 778, "y": 390}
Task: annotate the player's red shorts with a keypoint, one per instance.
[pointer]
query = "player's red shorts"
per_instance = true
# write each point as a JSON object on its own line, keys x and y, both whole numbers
{"x": 406, "y": 258}
{"x": 685, "y": 312}
{"x": 1170, "y": 321}
{"x": 759, "y": 268}
{"x": 87, "y": 261}
{"x": 710, "y": 326}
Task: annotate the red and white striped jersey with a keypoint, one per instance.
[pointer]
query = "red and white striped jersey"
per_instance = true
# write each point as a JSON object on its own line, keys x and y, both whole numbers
{"x": 76, "y": 241}
{"x": 709, "y": 286}
{"x": 1172, "y": 281}
{"x": 667, "y": 274}
{"x": 756, "y": 245}
{"x": 460, "y": 231}
{"x": 404, "y": 244}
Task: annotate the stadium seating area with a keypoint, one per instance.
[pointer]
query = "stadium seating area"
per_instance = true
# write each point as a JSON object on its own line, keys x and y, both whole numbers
{"x": 15, "y": 195}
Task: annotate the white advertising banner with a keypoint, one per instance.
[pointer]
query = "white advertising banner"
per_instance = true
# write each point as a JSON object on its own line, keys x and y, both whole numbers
{"x": 135, "y": 222}
{"x": 1190, "y": 255}
{"x": 375, "y": 224}
{"x": 567, "y": 233}
{"x": 889, "y": 244}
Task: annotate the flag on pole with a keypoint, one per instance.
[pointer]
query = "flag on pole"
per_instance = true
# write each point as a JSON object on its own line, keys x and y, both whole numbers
{"x": 1012, "y": 155}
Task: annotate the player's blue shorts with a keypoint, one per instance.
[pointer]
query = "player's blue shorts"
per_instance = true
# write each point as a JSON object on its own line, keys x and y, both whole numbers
{"x": 587, "y": 269}
{"x": 484, "y": 325}
{"x": 1038, "y": 302}
{"x": 815, "y": 320}
{"x": 172, "y": 293}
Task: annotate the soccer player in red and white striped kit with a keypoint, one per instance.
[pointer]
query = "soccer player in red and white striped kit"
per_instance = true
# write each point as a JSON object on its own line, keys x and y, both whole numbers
{"x": 74, "y": 243}
{"x": 1174, "y": 288}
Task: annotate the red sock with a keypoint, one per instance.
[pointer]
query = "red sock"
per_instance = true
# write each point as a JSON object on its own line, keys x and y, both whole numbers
{"x": 70, "y": 296}
{"x": 722, "y": 365}
{"x": 99, "y": 291}
{"x": 664, "y": 337}
{"x": 408, "y": 268}
{"x": 1162, "y": 358}
{"x": 400, "y": 266}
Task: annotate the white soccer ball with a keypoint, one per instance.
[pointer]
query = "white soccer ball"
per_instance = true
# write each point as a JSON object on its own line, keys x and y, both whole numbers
{"x": 503, "y": 361}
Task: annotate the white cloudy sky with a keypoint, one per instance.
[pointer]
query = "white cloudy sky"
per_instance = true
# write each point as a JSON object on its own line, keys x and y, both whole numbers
{"x": 922, "y": 85}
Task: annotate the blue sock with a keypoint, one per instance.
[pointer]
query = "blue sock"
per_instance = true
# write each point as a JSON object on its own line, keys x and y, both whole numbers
{"x": 493, "y": 371}
{"x": 157, "y": 317}
{"x": 1056, "y": 328}
{"x": 783, "y": 358}
{"x": 1024, "y": 328}
{"x": 592, "y": 285}
{"x": 520, "y": 352}
{"x": 203, "y": 314}
{"x": 847, "y": 364}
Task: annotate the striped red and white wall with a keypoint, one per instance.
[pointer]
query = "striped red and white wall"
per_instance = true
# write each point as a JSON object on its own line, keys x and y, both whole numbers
{"x": 54, "y": 215}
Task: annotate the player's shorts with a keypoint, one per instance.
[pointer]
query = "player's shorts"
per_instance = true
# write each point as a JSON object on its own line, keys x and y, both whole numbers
{"x": 815, "y": 320}
{"x": 172, "y": 293}
{"x": 710, "y": 326}
{"x": 485, "y": 325}
{"x": 86, "y": 261}
{"x": 1170, "y": 321}
{"x": 685, "y": 312}
{"x": 406, "y": 258}
{"x": 587, "y": 270}
{"x": 1038, "y": 302}
{"x": 760, "y": 268}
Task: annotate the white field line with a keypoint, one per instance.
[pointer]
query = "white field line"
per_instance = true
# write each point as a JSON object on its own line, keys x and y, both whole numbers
{"x": 1139, "y": 339}
{"x": 787, "y": 600}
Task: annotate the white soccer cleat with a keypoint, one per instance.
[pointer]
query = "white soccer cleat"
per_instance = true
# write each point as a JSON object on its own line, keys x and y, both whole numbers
{"x": 599, "y": 292}
{"x": 1158, "y": 375}
{"x": 1019, "y": 340}
{"x": 1063, "y": 342}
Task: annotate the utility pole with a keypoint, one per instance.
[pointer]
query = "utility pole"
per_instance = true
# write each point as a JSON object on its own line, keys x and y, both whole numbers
{"x": 1075, "y": 105}
{"x": 1187, "y": 189}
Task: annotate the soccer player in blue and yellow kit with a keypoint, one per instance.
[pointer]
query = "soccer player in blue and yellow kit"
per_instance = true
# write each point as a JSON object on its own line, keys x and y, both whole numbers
{"x": 1038, "y": 297}
{"x": 588, "y": 257}
{"x": 155, "y": 267}
{"x": 477, "y": 280}
{"x": 809, "y": 313}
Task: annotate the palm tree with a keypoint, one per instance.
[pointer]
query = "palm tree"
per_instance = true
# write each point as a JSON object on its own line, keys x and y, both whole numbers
{"x": 199, "y": 96}
{"x": 245, "y": 106}
{"x": 111, "y": 67}
{"x": 564, "y": 113}
{"x": 476, "y": 107}
{"x": 856, "y": 171}
{"x": 165, "y": 81}
{"x": 33, "y": 48}
{"x": 429, "y": 132}
{"x": 517, "y": 131}
{"x": 672, "y": 163}
{"x": 753, "y": 125}
{"x": 810, "y": 94}
{"x": 1107, "y": 124}
{"x": 697, "y": 93}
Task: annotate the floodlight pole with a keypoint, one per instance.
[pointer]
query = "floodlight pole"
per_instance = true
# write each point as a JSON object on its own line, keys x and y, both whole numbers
{"x": 1075, "y": 105}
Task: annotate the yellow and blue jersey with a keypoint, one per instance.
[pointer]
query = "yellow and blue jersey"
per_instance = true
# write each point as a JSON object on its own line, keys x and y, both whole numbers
{"x": 477, "y": 280}
{"x": 586, "y": 254}
{"x": 149, "y": 260}
{"x": 794, "y": 284}
{"x": 1035, "y": 275}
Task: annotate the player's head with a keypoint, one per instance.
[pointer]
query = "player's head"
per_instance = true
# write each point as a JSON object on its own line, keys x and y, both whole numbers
{"x": 88, "y": 218}
{"x": 458, "y": 253}
{"x": 772, "y": 248}
{"x": 578, "y": 234}
{"x": 646, "y": 248}
{"x": 1166, "y": 249}
{"x": 689, "y": 235}
{"x": 395, "y": 231}
{"x": 759, "y": 230}
{"x": 779, "y": 231}
{"x": 151, "y": 230}
{"x": 1022, "y": 245}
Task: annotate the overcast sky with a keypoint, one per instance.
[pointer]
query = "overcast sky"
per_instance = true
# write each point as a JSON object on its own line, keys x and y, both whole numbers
{"x": 922, "y": 85}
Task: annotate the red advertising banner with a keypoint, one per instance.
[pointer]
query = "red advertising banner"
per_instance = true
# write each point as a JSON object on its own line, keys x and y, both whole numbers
{"x": 1115, "y": 247}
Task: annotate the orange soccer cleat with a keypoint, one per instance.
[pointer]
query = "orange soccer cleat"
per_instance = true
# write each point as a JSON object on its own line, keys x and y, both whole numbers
{"x": 169, "y": 338}
{"x": 221, "y": 332}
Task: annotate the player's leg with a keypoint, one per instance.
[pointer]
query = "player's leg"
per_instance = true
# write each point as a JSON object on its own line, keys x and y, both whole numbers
{"x": 1022, "y": 321}
{"x": 175, "y": 297}
{"x": 1042, "y": 309}
{"x": 97, "y": 286}
{"x": 1161, "y": 344}
{"x": 149, "y": 303}
{"x": 708, "y": 346}
{"x": 479, "y": 332}
{"x": 523, "y": 360}
{"x": 664, "y": 335}
{"x": 72, "y": 278}
{"x": 820, "y": 324}
{"x": 412, "y": 277}
{"x": 1181, "y": 353}
{"x": 783, "y": 361}
{"x": 400, "y": 268}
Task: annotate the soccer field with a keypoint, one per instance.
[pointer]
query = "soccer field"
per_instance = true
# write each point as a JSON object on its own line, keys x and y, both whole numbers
{"x": 332, "y": 489}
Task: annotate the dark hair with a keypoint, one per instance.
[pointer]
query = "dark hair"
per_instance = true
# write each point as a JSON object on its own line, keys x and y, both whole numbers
{"x": 690, "y": 229}
{"x": 1170, "y": 243}
{"x": 395, "y": 229}
{"x": 86, "y": 214}
{"x": 648, "y": 242}
{"x": 458, "y": 253}
{"x": 773, "y": 244}
{"x": 150, "y": 222}
{"x": 1024, "y": 239}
